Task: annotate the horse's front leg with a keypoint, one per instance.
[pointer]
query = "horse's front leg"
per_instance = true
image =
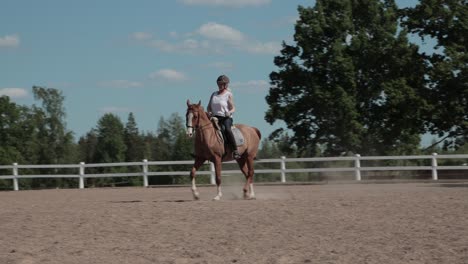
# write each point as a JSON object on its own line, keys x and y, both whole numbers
{"x": 217, "y": 165}
{"x": 196, "y": 166}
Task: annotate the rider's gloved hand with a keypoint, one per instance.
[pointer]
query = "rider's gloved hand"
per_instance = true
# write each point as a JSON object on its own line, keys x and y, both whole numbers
{"x": 228, "y": 114}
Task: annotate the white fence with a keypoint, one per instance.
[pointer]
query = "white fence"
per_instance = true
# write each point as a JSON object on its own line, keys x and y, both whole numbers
{"x": 283, "y": 171}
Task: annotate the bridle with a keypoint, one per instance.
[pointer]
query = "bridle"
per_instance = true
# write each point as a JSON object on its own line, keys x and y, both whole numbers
{"x": 191, "y": 113}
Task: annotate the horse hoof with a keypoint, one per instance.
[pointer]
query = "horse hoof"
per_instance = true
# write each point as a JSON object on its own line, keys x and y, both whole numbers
{"x": 217, "y": 198}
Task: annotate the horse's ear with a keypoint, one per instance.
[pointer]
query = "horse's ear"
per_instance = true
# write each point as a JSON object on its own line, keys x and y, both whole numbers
{"x": 188, "y": 102}
{"x": 199, "y": 103}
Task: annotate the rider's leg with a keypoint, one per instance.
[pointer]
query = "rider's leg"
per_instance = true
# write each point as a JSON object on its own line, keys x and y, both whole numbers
{"x": 227, "y": 125}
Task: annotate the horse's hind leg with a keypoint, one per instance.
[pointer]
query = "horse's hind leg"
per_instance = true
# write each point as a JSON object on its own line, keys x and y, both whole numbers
{"x": 243, "y": 167}
{"x": 196, "y": 166}
{"x": 247, "y": 170}
{"x": 250, "y": 174}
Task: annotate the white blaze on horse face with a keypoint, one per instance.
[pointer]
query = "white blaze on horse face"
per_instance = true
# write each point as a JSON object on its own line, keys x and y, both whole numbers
{"x": 190, "y": 131}
{"x": 189, "y": 124}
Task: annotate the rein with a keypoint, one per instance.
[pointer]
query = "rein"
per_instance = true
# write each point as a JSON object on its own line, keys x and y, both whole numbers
{"x": 203, "y": 127}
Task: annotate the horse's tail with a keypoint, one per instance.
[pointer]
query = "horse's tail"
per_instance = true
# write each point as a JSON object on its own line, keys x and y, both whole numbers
{"x": 258, "y": 133}
{"x": 259, "y": 138}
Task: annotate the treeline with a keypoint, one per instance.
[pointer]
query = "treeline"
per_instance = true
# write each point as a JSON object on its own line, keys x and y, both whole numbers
{"x": 38, "y": 135}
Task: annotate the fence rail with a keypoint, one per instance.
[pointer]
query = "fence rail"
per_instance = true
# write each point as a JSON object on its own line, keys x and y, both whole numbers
{"x": 283, "y": 171}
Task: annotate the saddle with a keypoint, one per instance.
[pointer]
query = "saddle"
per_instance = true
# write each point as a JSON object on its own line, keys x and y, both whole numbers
{"x": 239, "y": 138}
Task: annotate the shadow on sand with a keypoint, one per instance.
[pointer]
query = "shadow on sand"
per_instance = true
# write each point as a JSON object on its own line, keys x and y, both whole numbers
{"x": 454, "y": 185}
{"x": 161, "y": 201}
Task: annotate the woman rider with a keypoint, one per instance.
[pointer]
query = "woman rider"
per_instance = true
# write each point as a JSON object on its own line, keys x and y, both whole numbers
{"x": 221, "y": 105}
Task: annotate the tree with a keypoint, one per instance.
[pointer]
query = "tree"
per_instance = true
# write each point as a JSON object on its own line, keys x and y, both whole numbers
{"x": 110, "y": 139}
{"x": 161, "y": 149}
{"x": 170, "y": 133}
{"x": 87, "y": 146}
{"x": 171, "y": 143}
{"x": 269, "y": 150}
{"x": 148, "y": 139}
{"x": 277, "y": 148}
{"x": 352, "y": 82}
{"x": 133, "y": 141}
{"x": 57, "y": 141}
{"x": 10, "y": 131}
{"x": 36, "y": 135}
{"x": 110, "y": 148}
{"x": 446, "y": 21}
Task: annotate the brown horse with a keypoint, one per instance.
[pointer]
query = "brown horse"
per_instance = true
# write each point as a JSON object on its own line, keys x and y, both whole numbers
{"x": 208, "y": 146}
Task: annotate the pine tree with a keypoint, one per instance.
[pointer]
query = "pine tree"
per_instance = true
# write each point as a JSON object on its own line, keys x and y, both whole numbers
{"x": 133, "y": 141}
{"x": 87, "y": 146}
{"x": 110, "y": 139}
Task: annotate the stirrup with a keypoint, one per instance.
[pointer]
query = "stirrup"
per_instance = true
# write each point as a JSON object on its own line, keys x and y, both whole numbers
{"x": 236, "y": 155}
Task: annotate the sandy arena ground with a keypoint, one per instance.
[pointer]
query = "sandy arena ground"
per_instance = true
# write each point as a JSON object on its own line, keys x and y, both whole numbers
{"x": 340, "y": 223}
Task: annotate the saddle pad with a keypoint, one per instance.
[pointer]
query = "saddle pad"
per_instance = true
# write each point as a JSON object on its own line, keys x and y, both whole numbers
{"x": 238, "y": 136}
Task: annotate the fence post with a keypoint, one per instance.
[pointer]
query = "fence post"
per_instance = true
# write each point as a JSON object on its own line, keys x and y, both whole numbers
{"x": 357, "y": 167}
{"x": 213, "y": 173}
{"x": 283, "y": 169}
{"x": 82, "y": 173}
{"x": 145, "y": 173}
{"x": 434, "y": 166}
{"x": 15, "y": 175}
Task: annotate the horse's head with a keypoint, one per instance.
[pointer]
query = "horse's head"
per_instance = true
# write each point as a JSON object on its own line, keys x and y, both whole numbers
{"x": 194, "y": 113}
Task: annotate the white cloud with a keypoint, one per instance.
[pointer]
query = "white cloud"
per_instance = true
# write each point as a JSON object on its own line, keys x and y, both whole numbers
{"x": 190, "y": 46}
{"x": 219, "y": 31}
{"x": 251, "y": 86}
{"x": 231, "y": 37}
{"x": 263, "y": 47}
{"x": 209, "y": 38}
{"x": 231, "y": 3}
{"x": 168, "y": 75}
{"x": 9, "y": 41}
{"x": 120, "y": 84}
{"x": 14, "y": 92}
{"x": 162, "y": 45}
{"x": 221, "y": 65}
{"x": 141, "y": 36}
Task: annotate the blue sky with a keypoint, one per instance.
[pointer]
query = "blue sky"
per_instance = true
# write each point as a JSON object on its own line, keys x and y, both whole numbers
{"x": 147, "y": 57}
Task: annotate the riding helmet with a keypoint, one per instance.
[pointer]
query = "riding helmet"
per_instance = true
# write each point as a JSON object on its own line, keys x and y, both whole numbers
{"x": 222, "y": 79}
